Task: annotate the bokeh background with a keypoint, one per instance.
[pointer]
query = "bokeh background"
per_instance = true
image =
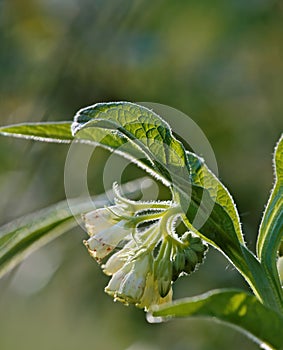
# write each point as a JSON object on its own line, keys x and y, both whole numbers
{"x": 220, "y": 62}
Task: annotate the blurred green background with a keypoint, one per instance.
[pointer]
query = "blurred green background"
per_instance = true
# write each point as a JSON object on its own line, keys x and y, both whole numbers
{"x": 220, "y": 62}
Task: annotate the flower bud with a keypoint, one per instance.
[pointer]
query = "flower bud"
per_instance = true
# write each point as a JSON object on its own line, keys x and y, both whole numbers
{"x": 191, "y": 256}
{"x": 163, "y": 268}
{"x": 194, "y": 252}
{"x": 179, "y": 262}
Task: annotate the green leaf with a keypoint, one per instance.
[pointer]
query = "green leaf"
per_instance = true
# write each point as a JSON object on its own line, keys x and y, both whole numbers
{"x": 141, "y": 135}
{"x": 203, "y": 177}
{"x": 271, "y": 228}
{"x": 21, "y": 237}
{"x": 49, "y": 132}
{"x": 233, "y": 307}
{"x": 138, "y": 133}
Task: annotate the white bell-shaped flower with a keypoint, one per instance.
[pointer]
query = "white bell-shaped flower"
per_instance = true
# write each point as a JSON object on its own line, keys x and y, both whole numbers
{"x": 101, "y": 219}
{"x": 105, "y": 241}
{"x": 128, "y": 284}
{"x": 118, "y": 259}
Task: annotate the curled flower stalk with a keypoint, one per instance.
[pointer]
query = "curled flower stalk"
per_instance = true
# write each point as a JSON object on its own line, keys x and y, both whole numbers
{"x": 137, "y": 244}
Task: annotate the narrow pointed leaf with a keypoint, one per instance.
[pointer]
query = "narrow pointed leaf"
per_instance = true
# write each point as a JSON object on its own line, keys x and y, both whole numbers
{"x": 48, "y": 132}
{"x": 233, "y": 307}
{"x": 271, "y": 228}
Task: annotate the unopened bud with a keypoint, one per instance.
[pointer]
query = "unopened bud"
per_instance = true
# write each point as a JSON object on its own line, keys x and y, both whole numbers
{"x": 178, "y": 264}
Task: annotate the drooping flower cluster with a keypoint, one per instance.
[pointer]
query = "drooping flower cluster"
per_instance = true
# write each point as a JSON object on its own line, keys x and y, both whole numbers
{"x": 147, "y": 254}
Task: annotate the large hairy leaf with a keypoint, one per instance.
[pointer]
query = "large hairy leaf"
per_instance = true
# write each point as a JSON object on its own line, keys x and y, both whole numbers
{"x": 129, "y": 128}
{"x": 233, "y": 307}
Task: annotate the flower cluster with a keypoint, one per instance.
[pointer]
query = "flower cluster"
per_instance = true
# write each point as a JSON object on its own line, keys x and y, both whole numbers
{"x": 146, "y": 253}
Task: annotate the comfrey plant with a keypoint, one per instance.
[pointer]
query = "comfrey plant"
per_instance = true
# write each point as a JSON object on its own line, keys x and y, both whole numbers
{"x": 138, "y": 243}
{"x": 151, "y": 257}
